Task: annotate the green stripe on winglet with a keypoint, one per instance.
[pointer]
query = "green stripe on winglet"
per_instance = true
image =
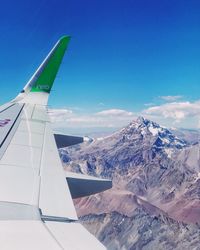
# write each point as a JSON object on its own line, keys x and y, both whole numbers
{"x": 48, "y": 72}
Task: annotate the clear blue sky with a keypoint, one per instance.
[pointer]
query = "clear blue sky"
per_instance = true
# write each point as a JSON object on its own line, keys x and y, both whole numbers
{"x": 122, "y": 53}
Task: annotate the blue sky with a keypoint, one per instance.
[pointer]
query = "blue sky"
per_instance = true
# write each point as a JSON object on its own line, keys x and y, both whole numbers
{"x": 124, "y": 55}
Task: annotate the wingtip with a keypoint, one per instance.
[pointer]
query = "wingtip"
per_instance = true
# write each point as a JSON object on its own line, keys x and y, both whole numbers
{"x": 65, "y": 38}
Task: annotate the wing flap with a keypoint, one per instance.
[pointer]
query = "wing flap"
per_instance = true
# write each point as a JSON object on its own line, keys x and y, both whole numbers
{"x": 74, "y": 236}
{"x": 35, "y": 234}
{"x": 53, "y": 184}
{"x": 23, "y": 235}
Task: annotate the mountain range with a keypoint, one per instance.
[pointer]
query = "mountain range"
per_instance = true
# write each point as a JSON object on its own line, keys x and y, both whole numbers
{"x": 155, "y": 199}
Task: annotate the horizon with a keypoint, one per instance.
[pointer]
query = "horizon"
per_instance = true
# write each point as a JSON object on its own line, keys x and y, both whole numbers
{"x": 125, "y": 59}
{"x": 95, "y": 132}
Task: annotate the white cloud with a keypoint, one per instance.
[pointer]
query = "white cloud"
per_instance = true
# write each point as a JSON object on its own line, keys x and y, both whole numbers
{"x": 58, "y": 115}
{"x": 149, "y": 104}
{"x": 175, "y": 110}
{"x": 171, "y": 98}
{"x": 180, "y": 114}
{"x": 114, "y": 112}
{"x": 111, "y": 118}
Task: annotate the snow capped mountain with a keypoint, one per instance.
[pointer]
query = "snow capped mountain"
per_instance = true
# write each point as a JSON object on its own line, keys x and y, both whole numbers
{"x": 146, "y": 128}
{"x": 153, "y": 172}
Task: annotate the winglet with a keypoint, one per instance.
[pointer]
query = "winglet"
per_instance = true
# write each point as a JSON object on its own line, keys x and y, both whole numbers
{"x": 42, "y": 80}
{"x": 45, "y": 75}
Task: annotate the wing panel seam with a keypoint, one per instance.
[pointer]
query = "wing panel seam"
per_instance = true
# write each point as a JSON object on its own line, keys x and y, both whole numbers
{"x": 7, "y": 108}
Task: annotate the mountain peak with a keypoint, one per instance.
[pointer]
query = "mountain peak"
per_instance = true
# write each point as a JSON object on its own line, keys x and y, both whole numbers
{"x": 152, "y": 131}
{"x": 143, "y": 121}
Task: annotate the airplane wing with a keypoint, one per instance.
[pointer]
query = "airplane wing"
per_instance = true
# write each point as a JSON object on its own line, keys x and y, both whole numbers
{"x": 36, "y": 207}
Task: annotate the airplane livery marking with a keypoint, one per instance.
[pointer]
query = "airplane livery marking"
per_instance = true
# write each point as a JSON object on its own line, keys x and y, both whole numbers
{"x": 4, "y": 122}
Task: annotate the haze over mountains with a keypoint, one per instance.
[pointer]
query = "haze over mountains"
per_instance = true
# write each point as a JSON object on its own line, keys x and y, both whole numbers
{"x": 154, "y": 202}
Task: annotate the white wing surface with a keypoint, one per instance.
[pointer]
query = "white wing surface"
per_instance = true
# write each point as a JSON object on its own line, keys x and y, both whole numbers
{"x": 36, "y": 207}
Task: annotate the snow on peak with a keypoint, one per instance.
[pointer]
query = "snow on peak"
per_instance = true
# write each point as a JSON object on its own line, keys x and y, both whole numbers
{"x": 161, "y": 136}
{"x": 145, "y": 126}
{"x": 153, "y": 130}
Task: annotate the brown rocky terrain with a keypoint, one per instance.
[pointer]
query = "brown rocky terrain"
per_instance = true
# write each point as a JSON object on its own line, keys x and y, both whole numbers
{"x": 156, "y": 179}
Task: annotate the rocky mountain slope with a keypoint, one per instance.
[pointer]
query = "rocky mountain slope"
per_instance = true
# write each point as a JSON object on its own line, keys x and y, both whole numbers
{"x": 190, "y": 135}
{"x": 142, "y": 231}
{"x": 155, "y": 175}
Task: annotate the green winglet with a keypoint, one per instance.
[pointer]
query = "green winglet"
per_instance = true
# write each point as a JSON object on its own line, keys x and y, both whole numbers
{"x": 49, "y": 69}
